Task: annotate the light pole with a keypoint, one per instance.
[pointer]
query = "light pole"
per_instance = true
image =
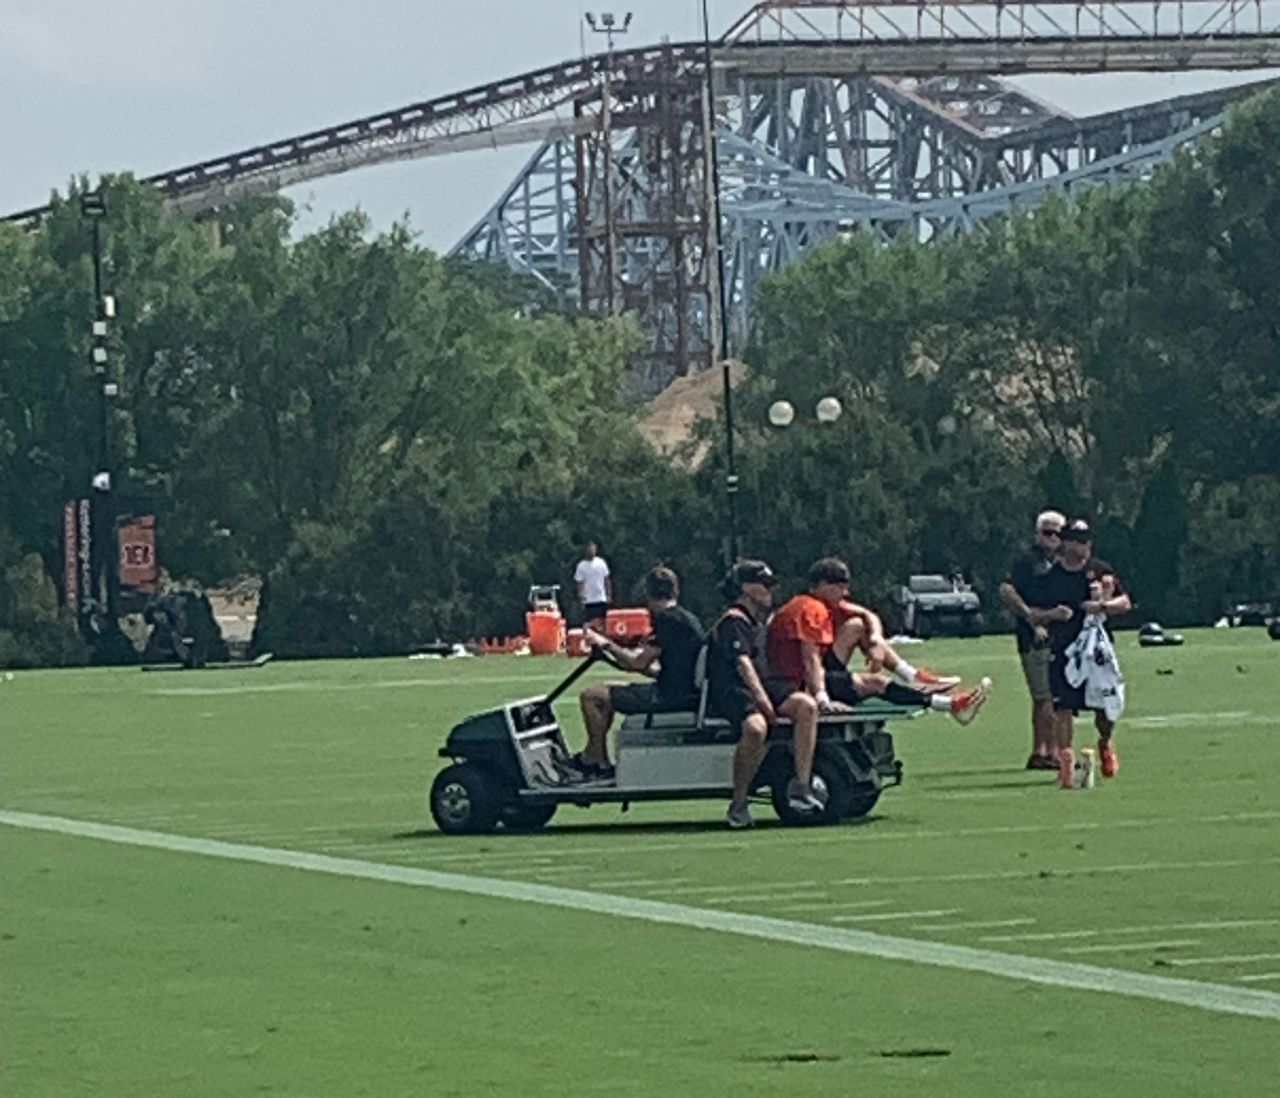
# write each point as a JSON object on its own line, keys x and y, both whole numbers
{"x": 607, "y": 24}
{"x": 720, "y": 330}
{"x": 93, "y": 206}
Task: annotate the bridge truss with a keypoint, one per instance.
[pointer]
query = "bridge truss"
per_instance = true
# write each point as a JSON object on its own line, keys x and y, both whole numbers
{"x": 876, "y": 115}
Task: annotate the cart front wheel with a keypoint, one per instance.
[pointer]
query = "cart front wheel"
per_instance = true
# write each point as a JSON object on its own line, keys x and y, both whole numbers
{"x": 465, "y": 800}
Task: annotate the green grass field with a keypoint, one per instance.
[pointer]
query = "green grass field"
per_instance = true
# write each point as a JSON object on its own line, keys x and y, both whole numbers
{"x": 133, "y": 971}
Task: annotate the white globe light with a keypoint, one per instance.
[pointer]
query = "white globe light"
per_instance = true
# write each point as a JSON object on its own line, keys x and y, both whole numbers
{"x": 947, "y": 425}
{"x": 781, "y": 413}
{"x": 828, "y": 410}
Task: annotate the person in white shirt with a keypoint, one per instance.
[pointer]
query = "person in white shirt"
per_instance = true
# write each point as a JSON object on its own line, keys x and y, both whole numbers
{"x": 595, "y": 587}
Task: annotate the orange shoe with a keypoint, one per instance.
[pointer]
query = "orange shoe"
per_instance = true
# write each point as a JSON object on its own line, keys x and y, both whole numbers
{"x": 964, "y": 707}
{"x": 928, "y": 682}
{"x": 1066, "y": 768}
{"x": 1110, "y": 761}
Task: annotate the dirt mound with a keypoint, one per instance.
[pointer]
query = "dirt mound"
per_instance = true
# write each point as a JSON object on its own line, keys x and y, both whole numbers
{"x": 668, "y": 421}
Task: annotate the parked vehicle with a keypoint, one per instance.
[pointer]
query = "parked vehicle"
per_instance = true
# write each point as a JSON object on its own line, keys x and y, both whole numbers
{"x": 936, "y": 605}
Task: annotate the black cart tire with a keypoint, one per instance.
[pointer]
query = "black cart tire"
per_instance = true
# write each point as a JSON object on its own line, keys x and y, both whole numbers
{"x": 526, "y": 817}
{"x": 465, "y": 800}
{"x": 834, "y": 784}
{"x": 864, "y": 799}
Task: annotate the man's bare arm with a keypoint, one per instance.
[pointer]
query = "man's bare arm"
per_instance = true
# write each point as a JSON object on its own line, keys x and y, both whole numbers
{"x": 871, "y": 620}
{"x": 751, "y": 677}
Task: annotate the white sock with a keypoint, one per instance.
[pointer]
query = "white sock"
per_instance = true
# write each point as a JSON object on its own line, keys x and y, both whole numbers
{"x": 905, "y": 671}
{"x": 941, "y": 702}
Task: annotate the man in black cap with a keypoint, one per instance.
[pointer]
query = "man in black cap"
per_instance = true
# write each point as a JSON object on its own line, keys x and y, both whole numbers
{"x": 1077, "y": 585}
{"x": 736, "y": 691}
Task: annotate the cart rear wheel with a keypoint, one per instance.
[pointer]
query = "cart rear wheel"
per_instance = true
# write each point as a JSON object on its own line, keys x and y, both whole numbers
{"x": 465, "y": 800}
{"x": 527, "y": 817}
{"x": 833, "y": 784}
{"x": 864, "y": 799}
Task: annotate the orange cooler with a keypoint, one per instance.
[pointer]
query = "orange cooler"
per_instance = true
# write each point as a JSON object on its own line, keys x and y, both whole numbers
{"x": 628, "y": 625}
{"x": 546, "y": 632}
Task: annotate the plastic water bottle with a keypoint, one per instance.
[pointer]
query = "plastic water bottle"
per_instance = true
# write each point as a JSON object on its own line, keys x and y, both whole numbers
{"x": 1085, "y": 769}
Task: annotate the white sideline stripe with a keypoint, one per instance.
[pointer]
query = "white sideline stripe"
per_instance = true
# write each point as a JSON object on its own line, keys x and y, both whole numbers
{"x": 1261, "y": 976}
{"x": 979, "y": 924}
{"x": 1129, "y": 947}
{"x": 1220, "y": 998}
{"x": 874, "y": 916}
{"x": 866, "y": 834}
{"x": 1237, "y": 959}
{"x": 1224, "y": 924}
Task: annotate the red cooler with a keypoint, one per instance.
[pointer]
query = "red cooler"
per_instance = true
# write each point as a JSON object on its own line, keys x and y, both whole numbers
{"x": 546, "y": 632}
{"x": 627, "y": 626}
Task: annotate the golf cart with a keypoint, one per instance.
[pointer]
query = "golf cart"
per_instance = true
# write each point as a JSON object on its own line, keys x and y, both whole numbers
{"x": 935, "y": 605}
{"x": 510, "y": 765}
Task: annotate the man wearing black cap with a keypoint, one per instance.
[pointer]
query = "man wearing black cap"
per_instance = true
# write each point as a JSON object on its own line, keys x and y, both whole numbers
{"x": 736, "y": 692}
{"x": 1079, "y": 584}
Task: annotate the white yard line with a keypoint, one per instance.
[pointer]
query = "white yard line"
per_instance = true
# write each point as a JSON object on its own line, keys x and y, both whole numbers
{"x": 1065, "y": 935}
{"x": 978, "y": 924}
{"x": 1236, "y": 959}
{"x": 837, "y": 905}
{"x": 1258, "y": 977}
{"x": 301, "y": 685}
{"x": 878, "y": 916}
{"x": 1130, "y": 947}
{"x": 1221, "y": 998}
{"x": 730, "y": 890}
{"x": 634, "y": 882}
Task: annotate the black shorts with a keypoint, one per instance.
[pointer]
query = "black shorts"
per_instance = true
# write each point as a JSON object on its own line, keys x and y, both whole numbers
{"x": 643, "y": 697}
{"x": 735, "y": 705}
{"x": 1065, "y": 696}
{"x": 594, "y": 611}
{"x": 841, "y": 687}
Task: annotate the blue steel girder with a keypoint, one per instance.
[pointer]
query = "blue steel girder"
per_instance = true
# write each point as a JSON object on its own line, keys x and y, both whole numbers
{"x": 964, "y": 149}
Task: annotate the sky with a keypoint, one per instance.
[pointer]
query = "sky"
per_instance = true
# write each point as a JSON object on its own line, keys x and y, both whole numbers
{"x": 149, "y": 85}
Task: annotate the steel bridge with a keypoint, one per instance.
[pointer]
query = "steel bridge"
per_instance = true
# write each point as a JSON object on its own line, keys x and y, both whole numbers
{"x": 830, "y": 117}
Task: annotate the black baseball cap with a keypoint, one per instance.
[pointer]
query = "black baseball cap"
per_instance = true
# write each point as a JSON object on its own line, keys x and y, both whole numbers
{"x": 753, "y": 571}
{"x": 1077, "y": 530}
{"x": 828, "y": 570}
{"x": 747, "y": 571}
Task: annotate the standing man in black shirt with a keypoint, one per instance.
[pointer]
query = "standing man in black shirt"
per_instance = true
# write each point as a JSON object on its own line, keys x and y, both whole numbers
{"x": 1022, "y": 593}
{"x": 1078, "y": 584}
{"x": 736, "y": 691}
{"x": 669, "y": 656}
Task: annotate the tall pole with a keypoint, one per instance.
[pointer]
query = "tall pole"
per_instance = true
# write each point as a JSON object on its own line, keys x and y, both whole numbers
{"x": 721, "y": 328}
{"x": 93, "y": 206}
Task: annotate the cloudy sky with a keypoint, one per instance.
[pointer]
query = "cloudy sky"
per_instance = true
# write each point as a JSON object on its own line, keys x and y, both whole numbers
{"x": 148, "y": 85}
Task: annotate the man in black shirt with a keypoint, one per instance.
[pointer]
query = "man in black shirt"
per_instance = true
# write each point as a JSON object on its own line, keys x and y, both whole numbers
{"x": 669, "y": 655}
{"x": 1021, "y": 592}
{"x": 736, "y": 691}
{"x": 1079, "y": 584}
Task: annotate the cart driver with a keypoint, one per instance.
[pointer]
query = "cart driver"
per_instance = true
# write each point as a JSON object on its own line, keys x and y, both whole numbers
{"x": 669, "y": 656}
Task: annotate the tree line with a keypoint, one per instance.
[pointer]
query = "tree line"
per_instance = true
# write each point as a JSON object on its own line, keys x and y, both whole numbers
{"x": 400, "y": 443}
